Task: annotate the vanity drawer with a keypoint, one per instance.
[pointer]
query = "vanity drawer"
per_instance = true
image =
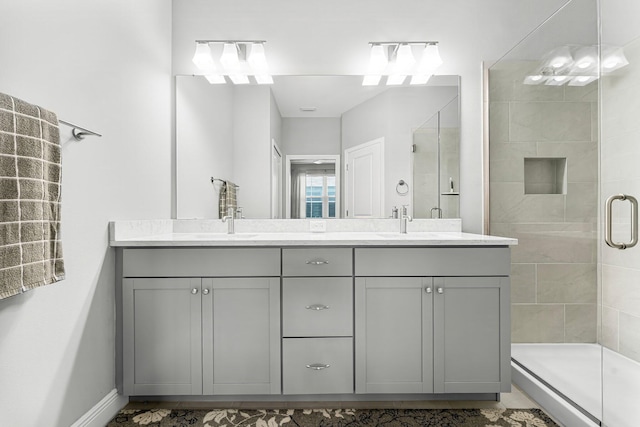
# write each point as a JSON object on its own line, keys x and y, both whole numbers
{"x": 201, "y": 262}
{"x": 317, "y": 262}
{"x": 317, "y": 307}
{"x": 478, "y": 261}
{"x": 332, "y": 359}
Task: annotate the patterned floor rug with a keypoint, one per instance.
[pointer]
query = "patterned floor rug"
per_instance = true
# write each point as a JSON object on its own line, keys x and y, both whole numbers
{"x": 332, "y": 418}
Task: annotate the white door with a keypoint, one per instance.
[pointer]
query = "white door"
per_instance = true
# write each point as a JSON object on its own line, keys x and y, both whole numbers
{"x": 276, "y": 181}
{"x": 364, "y": 168}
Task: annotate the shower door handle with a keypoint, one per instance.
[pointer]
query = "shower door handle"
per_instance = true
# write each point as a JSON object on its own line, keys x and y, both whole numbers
{"x": 608, "y": 223}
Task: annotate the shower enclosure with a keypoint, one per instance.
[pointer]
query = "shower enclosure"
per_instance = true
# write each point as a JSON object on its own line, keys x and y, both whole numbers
{"x": 564, "y": 136}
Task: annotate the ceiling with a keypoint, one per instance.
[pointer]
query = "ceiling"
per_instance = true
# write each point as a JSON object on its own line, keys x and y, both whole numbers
{"x": 329, "y": 95}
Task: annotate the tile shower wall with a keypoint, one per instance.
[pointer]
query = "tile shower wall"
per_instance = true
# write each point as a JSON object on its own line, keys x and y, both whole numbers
{"x": 621, "y": 174}
{"x": 554, "y": 286}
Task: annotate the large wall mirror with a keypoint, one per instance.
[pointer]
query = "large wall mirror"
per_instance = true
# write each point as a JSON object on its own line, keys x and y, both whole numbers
{"x": 318, "y": 147}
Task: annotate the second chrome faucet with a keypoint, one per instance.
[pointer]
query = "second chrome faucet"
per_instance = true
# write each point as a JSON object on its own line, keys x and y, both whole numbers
{"x": 404, "y": 218}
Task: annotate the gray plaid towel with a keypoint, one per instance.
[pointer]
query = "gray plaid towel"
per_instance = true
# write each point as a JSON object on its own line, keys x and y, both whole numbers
{"x": 30, "y": 178}
{"x": 227, "y": 198}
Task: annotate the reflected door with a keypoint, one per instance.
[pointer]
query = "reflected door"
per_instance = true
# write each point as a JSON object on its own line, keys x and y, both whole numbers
{"x": 364, "y": 180}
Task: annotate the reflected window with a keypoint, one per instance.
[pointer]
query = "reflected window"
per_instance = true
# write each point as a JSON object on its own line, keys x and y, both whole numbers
{"x": 320, "y": 195}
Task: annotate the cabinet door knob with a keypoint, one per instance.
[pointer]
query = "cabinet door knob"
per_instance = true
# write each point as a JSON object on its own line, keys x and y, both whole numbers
{"x": 440, "y": 290}
{"x": 317, "y": 262}
{"x": 318, "y": 366}
{"x": 428, "y": 289}
{"x": 205, "y": 291}
{"x": 194, "y": 291}
{"x": 317, "y": 307}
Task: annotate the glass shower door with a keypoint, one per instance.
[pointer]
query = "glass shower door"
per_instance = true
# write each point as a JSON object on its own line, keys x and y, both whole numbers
{"x": 619, "y": 297}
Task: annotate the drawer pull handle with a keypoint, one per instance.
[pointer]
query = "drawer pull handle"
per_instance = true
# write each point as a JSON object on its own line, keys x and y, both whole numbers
{"x": 440, "y": 290}
{"x": 317, "y": 262}
{"x": 318, "y": 366}
{"x": 205, "y": 291}
{"x": 428, "y": 289}
{"x": 194, "y": 291}
{"x": 317, "y": 307}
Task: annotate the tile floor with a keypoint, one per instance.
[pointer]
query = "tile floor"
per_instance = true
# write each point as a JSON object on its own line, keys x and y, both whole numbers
{"x": 517, "y": 399}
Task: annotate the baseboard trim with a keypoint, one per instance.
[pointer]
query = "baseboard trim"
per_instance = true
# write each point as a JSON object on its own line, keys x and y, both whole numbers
{"x": 103, "y": 411}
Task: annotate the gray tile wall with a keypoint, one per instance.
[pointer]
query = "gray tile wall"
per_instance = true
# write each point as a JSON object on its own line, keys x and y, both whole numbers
{"x": 554, "y": 275}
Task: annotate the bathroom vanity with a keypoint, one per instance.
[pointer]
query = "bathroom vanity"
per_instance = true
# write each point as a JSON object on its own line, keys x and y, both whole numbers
{"x": 298, "y": 314}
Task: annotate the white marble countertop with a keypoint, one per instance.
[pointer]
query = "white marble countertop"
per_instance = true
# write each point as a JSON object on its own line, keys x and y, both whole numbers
{"x": 170, "y": 233}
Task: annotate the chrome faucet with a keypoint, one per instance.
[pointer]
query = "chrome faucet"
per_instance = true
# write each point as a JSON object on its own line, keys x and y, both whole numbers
{"x": 404, "y": 218}
{"x": 230, "y": 218}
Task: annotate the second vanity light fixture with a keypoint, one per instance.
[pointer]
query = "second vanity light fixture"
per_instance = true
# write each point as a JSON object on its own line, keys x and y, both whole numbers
{"x": 396, "y": 61}
{"x": 576, "y": 65}
{"x": 239, "y": 60}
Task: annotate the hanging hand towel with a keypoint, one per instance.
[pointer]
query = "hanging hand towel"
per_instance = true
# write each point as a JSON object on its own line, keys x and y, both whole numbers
{"x": 227, "y": 198}
{"x": 30, "y": 178}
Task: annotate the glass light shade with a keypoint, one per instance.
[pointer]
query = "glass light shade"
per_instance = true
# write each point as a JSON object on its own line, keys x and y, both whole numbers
{"x": 404, "y": 60}
{"x": 556, "y": 80}
{"x": 371, "y": 80}
{"x": 613, "y": 59}
{"x": 535, "y": 79}
{"x": 395, "y": 79}
{"x": 581, "y": 80}
{"x": 430, "y": 60}
{"x": 377, "y": 59}
{"x": 264, "y": 79}
{"x": 560, "y": 57}
{"x": 229, "y": 58}
{"x": 215, "y": 79}
{"x": 586, "y": 58}
{"x": 257, "y": 59}
{"x": 202, "y": 57}
{"x": 420, "y": 79}
{"x": 239, "y": 79}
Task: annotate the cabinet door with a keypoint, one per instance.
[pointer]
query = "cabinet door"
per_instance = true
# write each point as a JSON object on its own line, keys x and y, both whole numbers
{"x": 241, "y": 335}
{"x": 394, "y": 335}
{"x": 162, "y": 327}
{"x": 471, "y": 334}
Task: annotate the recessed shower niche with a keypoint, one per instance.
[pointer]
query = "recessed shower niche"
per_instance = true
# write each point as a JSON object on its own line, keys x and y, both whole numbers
{"x": 545, "y": 175}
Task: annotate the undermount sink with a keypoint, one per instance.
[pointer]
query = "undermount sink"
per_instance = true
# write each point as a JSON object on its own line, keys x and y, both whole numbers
{"x": 239, "y": 236}
{"x": 390, "y": 235}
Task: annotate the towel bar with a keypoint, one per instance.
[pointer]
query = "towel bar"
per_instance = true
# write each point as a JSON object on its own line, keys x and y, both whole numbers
{"x": 222, "y": 180}
{"x": 79, "y": 132}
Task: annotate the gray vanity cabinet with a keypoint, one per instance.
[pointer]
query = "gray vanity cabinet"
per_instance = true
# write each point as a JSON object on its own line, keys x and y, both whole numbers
{"x": 162, "y": 336}
{"x": 241, "y": 330}
{"x": 393, "y": 335}
{"x": 444, "y": 332}
{"x": 471, "y": 334}
{"x": 202, "y": 335}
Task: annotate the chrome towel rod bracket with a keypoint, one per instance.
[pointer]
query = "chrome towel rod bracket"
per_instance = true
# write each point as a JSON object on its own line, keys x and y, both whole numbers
{"x": 78, "y": 132}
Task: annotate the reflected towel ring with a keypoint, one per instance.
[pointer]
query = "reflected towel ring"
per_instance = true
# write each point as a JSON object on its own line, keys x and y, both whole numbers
{"x": 399, "y": 188}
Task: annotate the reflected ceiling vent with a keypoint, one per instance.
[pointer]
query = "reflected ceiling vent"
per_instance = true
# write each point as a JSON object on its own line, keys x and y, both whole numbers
{"x": 576, "y": 65}
{"x": 396, "y": 61}
{"x": 308, "y": 109}
{"x": 238, "y": 60}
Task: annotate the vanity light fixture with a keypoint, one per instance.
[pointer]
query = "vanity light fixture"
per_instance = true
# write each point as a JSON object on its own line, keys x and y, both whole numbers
{"x": 396, "y": 61}
{"x": 239, "y": 60}
{"x": 576, "y": 65}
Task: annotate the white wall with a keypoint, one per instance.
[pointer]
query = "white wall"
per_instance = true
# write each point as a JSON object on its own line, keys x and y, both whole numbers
{"x": 104, "y": 64}
{"x": 252, "y": 149}
{"x": 311, "y": 136}
{"x": 204, "y": 127}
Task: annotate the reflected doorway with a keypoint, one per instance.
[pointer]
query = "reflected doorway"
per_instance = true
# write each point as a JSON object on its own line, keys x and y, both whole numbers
{"x": 312, "y": 186}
